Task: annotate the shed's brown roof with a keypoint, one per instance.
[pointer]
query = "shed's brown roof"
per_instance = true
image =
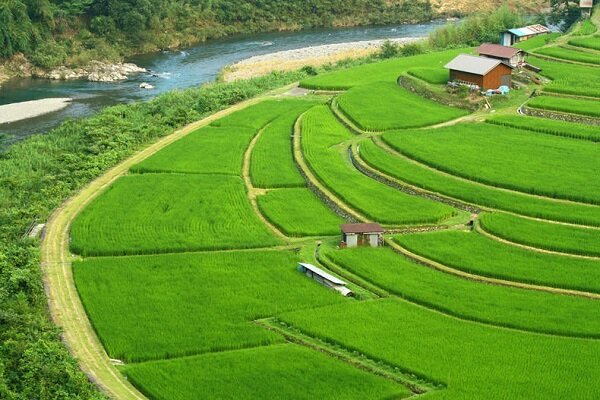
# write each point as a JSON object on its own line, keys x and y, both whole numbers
{"x": 361, "y": 228}
{"x": 496, "y": 50}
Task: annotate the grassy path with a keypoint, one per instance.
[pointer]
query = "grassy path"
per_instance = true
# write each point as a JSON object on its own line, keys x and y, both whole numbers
{"x": 65, "y": 307}
{"x": 478, "y": 278}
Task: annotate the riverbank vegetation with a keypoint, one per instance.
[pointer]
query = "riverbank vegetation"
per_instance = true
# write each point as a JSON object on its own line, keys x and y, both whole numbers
{"x": 36, "y": 175}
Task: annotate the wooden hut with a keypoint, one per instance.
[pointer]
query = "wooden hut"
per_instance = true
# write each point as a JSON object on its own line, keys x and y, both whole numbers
{"x": 586, "y": 8}
{"x": 508, "y": 55}
{"x": 361, "y": 234}
{"x": 487, "y": 73}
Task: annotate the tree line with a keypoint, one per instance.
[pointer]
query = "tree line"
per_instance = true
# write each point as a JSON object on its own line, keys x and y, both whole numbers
{"x": 73, "y": 32}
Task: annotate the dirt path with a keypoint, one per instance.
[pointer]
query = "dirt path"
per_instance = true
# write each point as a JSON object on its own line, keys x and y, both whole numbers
{"x": 64, "y": 304}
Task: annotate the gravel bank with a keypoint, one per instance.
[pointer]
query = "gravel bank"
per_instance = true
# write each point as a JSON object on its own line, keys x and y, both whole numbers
{"x": 297, "y": 58}
{"x": 29, "y": 109}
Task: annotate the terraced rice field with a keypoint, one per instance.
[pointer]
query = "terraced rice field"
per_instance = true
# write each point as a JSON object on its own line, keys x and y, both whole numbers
{"x": 298, "y": 212}
{"x": 545, "y": 235}
{"x": 187, "y": 265}
{"x": 158, "y": 213}
{"x": 472, "y": 360}
{"x": 432, "y": 75}
{"x": 384, "y": 106}
{"x": 585, "y": 107}
{"x": 407, "y": 170}
{"x": 272, "y": 164}
{"x": 495, "y": 305}
{"x": 549, "y": 126}
{"x": 569, "y": 55}
{"x": 566, "y": 78}
{"x": 588, "y": 43}
{"x": 308, "y": 374}
{"x": 480, "y": 255}
{"x": 510, "y": 158}
{"x": 322, "y": 134}
{"x": 191, "y": 302}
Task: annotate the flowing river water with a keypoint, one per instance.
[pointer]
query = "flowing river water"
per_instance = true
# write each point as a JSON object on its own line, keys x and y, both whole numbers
{"x": 176, "y": 70}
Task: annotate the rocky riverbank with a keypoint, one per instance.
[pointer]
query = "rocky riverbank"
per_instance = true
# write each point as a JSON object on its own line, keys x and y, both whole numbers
{"x": 314, "y": 56}
{"x": 95, "y": 71}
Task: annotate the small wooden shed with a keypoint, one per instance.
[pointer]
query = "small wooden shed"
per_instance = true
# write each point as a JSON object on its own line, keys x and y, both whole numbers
{"x": 586, "y": 7}
{"x": 354, "y": 235}
{"x": 516, "y": 35}
{"x": 325, "y": 278}
{"x": 487, "y": 73}
{"x": 508, "y": 55}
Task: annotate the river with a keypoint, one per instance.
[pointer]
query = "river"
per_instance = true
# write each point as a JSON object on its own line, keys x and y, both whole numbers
{"x": 176, "y": 70}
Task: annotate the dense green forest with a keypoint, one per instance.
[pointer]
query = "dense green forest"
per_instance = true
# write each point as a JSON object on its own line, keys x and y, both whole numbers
{"x": 73, "y": 32}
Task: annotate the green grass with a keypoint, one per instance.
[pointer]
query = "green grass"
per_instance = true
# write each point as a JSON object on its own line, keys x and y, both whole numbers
{"x": 437, "y": 76}
{"x": 384, "y": 105}
{"x": 165, "y": 306}
{"x": 321, "y": 133}
{"x": 586, "y": 28}
{"x": 588, "y": 43}
{"x": 408, "y": 171}
{"x": 497, "y": 305}
{"x": 569, "y": 54}
{"x": 505, "y": 157}
{"x": 537, "y": 41}
{"x": 158, "y": 213}
{"x": 477, "y": 254}
{"x": 474, "y": 361}
{"x": 272, "y": 164}
{"x": 298, "y": 212}
{"x": 590, "y": 108}
{"x": 569, "y": 78}
{"x": 207, "y": 150}
{"x": 549, "y": 126}
{"x": 258, "y": 115}
{"x": 284, "y": 372}
{"x": 545, "y": 235}
{"x": 386, "y": 71}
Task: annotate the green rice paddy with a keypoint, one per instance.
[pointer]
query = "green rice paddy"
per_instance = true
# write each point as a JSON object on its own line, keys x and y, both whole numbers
{"x": 585, "y": 107}
{"x": 322, "y": 134}
{"x": 545, "y": 235}
{"x": 477, "y": 254}
{"x": 496, "y": 305}
{"x": 164, "y": 213}
{"x": 192, "y": 303}
{"x": 179, "y": 261}
{"x": 298, "y": 212}
{"x": 384, "y": 106}
{"x": 510, "y": 158}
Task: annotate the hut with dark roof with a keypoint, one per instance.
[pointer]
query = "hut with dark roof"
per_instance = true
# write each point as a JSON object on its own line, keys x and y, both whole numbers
{"x": 508, "y": 55}
{"x": 361, "y": 235}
